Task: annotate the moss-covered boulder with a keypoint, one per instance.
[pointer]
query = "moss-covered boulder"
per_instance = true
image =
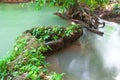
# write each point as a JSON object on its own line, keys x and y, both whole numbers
{"x": 54, "y": 38}
{"x": 26, "y": 61}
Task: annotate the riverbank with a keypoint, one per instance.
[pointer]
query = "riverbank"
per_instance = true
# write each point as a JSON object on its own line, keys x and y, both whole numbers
{"x": 26, "y": 62}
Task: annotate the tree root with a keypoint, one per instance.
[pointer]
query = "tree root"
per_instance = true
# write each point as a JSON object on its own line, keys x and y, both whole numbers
{"x": 94, "y": 30}
{"x": 82, "y": 16}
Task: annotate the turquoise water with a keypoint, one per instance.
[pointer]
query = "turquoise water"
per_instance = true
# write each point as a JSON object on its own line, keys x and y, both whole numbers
{"x": 92, "y": 57}
{"x": 16, "y": 18}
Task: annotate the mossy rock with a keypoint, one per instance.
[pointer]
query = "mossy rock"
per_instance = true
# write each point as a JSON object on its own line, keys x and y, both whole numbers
{"x": 45, "y": 35}
{"x": 27, "y": 62}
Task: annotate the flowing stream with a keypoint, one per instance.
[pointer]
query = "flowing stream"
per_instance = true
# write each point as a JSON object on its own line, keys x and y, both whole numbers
{"x": 92, "y": 57}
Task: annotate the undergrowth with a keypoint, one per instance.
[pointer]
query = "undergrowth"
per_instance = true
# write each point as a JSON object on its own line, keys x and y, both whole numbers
{"x": 26, "y": 61}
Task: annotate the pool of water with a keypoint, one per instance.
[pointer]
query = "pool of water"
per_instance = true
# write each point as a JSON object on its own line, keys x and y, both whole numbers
{"x": 16, "y": 18}
{"x": 92, "y": 57}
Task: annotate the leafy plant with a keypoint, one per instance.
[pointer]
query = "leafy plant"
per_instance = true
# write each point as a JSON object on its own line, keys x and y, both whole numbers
{"x": 19, "y": 46}
{"x": 94, "y": 3}
{"x": 116, "y": 8}
{"x": 40, "y": 3}
{"x": 72, "y": 29}
{"x": 48, "y": 34}
{"x": 56, "y": 76}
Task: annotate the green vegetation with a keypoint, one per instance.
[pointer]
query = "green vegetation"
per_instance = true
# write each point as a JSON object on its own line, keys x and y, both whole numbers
{"x": 54, "y": 33}
{"x": 72, "y": 29}
{"x": 48, "y": 33}
{"x": 23, "y": 62}
{"x": 26, "y": 61}
{"x": 65, "y": 4}
{"x": 95, "y": 3}
{"x": 116, "y": 8}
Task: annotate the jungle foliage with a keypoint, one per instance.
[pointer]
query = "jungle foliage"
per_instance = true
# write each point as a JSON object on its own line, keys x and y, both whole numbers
{"x": 67, "y": 3}
{"x": 26, "y": 64}
{"x": 26, "y": 61}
